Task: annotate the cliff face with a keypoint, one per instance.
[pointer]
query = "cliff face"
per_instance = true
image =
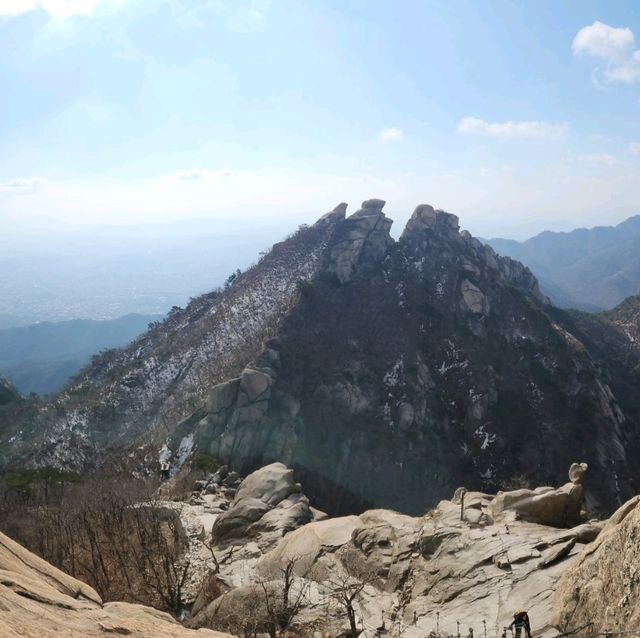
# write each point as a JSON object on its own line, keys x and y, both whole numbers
{"x": 386, "y": 373}
{"x": 599, "y": 593}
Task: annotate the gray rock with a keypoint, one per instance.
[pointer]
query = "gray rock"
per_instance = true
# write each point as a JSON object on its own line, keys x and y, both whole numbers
{"x": 473, "y": 299}
{"x": 222, "y": 396}
{"x": 271, "y": 484}
{"x": 255, "y": 384}
{"x": 236, "y": 520}
{"x": 364, "y": 240}
{"x": 577, "y": 471}
{"x": 336, "y": 215}
{"x": 267, "y": 501}
{"x": 547, "y": 506}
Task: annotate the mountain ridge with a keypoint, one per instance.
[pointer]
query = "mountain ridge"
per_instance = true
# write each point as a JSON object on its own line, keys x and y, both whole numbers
{"x": 431, "y": 358}
{"x": 587, "y": 268}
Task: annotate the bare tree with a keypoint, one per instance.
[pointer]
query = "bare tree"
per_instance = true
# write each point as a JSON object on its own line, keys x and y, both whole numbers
{"x": 98, "y": 532}
{"x": 346, "y": 591}
{"x": 283, "y": 599}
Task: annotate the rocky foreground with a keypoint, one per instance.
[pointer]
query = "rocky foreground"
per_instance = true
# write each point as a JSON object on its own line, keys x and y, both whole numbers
{"x": 39, "y": 601}
{"x": 467, "y": 564}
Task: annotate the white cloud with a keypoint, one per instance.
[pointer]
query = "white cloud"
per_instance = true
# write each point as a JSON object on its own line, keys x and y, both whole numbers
{"x": 600, "y": 159}
{"x": 602, "y": 41}
{"x": 391, "y": 134}
{"x": 615, "y": 46}
{"x": 511, "y": 128}
{"x": 16, "y": 7}
{"x": 22, "y": 185}
{"x": 201, "y": 174}
{"x": 634, "y": 148}
{"x": 59, "y": 9}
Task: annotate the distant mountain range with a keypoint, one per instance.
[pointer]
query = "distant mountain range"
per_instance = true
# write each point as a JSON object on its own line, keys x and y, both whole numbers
{"x": 40, "y": 358}
{"x": 588, "y": 269}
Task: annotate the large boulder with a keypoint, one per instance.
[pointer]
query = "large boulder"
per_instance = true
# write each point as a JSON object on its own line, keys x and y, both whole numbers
{"x": 268, "y": 500}
{"x": 559, "y": 507}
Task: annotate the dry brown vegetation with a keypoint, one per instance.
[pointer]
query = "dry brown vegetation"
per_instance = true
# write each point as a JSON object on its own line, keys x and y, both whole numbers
{"x": 108, "y": 533}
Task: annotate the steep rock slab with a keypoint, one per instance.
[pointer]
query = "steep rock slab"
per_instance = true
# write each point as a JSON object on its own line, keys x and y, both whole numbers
{"x": 39, "y": 601}
{"x": 601, "y": 592}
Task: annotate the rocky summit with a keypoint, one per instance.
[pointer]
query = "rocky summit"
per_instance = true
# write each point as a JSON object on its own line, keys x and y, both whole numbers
{"x": 383, "y": 372}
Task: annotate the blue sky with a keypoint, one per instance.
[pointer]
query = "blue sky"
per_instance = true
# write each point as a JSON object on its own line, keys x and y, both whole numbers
{"x": 517, "y": 116}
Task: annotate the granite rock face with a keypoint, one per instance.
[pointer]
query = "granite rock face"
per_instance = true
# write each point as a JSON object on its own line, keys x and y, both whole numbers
{"x": 268, "y": 500}
{"x": 600, "y": 589}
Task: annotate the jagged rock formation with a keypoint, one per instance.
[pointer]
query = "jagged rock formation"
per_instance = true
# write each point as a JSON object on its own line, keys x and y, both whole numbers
{"x": 433, "y": 356}
{"x": 39, "y": 601}
{"x": 600, "y": 591}
{"x": 416, "y": 575}
{"x": 384, "y": 373}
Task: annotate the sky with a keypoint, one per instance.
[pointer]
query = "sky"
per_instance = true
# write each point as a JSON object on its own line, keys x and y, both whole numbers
{"x": 516, "y": 116}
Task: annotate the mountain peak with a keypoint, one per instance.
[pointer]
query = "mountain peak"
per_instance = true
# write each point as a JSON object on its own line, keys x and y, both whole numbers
{"x": 425, "y": 217}
{"x": 370, "y": 207}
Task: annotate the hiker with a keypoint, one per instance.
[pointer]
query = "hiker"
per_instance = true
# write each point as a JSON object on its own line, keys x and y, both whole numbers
{"x": 164, "y": 470}
{"x": 520, "y": 621}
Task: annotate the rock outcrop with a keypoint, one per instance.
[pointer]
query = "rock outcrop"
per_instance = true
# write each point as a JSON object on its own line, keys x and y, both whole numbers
{"x": 365, "y": 239}
{"x": 268, "y": 500}
{"x": 39, "y": 601}
{"x": 559, "y": 507}
{"x": 600, "y": 591}
{"x": 412, "y": 575}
